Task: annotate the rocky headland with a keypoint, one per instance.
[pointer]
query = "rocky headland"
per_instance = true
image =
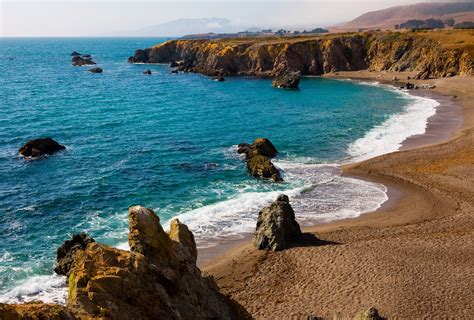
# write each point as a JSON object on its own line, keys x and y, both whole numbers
{"x": 432, "y": 54}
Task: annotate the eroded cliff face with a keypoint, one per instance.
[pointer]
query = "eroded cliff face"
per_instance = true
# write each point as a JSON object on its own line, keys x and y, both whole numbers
{"x": 312, "y": 56}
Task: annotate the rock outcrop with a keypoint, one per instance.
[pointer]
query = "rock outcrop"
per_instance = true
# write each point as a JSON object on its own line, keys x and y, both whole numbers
{"x": 75, "y": 53}
{"x": 39, "y": 147}
{"x": 276, "y": 226}
{"x": 287, "y": 80}
{"x": 147, "y": 72}
{"x": 79, "y": 61}
{"x": 258, "y": 156}
{"x": 96, "y": 70}
{"x": 377, "y": 51}
{"x": 66, "y": 252}
{"x": 156, "y": 279}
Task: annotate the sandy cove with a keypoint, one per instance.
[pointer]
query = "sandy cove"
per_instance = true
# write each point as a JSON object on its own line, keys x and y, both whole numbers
{"x": 413, "y": 258}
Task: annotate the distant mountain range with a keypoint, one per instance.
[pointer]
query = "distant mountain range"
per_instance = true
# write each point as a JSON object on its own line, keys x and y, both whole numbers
{"x": 388, "y": 18}
{"x": 182, "y": 27}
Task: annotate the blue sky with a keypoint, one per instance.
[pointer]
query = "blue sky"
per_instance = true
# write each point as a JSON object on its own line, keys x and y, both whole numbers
{"x": 89, "y": 18}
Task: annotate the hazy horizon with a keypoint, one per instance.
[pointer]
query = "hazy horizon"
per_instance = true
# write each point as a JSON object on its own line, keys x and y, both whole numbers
{"x": 101, "y": 18}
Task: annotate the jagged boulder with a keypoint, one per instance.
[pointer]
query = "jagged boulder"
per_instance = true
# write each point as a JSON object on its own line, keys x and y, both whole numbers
{"x": 39, "y": 147}
{"x": 66, "y": 252}
{"x": 180, "y": 233}
{"x": 79, "y": 61}
{"x": 287, "y": 80}
{"x": 258, "y": 156}
{"x": 157, "y": 279}
{"x": 96, "y": 70}
{"x": 276, "y": 226}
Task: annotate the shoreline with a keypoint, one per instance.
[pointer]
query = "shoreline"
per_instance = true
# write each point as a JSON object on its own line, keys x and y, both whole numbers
{"x": 411, "y": 252}
{"x": 439, "y": 128}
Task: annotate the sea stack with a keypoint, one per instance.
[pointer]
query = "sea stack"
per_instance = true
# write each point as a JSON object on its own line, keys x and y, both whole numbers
{"x": 276, "y": 226}
{"x": 287, "y": 80}
{"x": 258, "y": 156}
{"x": 39, "y": 147}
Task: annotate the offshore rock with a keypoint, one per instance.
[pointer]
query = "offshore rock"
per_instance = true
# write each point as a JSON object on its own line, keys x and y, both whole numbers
{"x": 35, "y": 310}
{"x": 287, "y": 80}
{"x": 147, "y": 72}
{"x": 39, "y": 147}
{"x": 79, "y": 61}
{"x": 140, "y": 56}
{"x": 276, "y": 226}
{"x": 157, "y": 279}
{"x": 75, "y": 53}
{"x": 258, "y": 156}
{"x": 96, "y": 70}
{"x": 66, "y": 252}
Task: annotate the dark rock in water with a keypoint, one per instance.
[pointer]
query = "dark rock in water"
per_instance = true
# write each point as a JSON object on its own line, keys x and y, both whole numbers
{"x": 96, "y": 70}
{"x": 174, "y": 64}
{"x": 287, "y": 80}
{"x": 67, "y": 251}
{"x": 78, "y": 61}
{"x": 258, "y": 156}
{"x": 370, "y": 314}
{"x": 261, "y": 167}
{"x": 87, "y": 56}
{"x": 147, "y": 71}
{"x": 218, "y": 78}
{"x": 140, "y": 56}
{"x": 39, "y": 147}
{"x": 75, "y": 53}
{"x": 276, "y": 226}
{"x": 174, "y": 71}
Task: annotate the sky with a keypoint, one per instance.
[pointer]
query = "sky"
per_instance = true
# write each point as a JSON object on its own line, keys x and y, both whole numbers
{"x": 96, "y": 18}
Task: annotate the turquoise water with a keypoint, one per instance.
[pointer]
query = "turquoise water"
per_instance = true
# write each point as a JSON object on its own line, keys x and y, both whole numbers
{"x": 167, "y": 142}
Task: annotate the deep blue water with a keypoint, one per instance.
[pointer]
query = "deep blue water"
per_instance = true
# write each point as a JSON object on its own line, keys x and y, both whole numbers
{"x": 166, "y": 142}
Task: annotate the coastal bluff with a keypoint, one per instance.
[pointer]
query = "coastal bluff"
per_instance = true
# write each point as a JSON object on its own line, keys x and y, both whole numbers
{"x": 432, "y": 54}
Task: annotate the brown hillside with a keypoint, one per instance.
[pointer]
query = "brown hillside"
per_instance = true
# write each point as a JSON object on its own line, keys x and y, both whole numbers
{"x": 388, "y": 18}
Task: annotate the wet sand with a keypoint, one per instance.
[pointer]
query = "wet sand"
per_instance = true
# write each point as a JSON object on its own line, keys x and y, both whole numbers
{"x": 412, "y": 258}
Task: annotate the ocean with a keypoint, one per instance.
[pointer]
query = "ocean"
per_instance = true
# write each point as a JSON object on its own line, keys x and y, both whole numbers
{"x": 168, "y": 142}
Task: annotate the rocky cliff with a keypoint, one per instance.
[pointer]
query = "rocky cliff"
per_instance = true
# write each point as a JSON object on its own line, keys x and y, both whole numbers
{"x": 157, "y": 279}
{"x": 314, "y": 55}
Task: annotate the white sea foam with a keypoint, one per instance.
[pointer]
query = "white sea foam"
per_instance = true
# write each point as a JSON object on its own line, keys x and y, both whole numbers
{"x": 389, "y": 136}
{"x": 49, "y": 289}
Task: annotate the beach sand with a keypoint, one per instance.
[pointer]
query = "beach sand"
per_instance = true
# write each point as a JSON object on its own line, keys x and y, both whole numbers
{"x": 411, "y": 259}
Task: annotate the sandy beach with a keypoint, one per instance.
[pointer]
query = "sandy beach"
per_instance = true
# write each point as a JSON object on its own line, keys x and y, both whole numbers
{"x": 411, "y": 259}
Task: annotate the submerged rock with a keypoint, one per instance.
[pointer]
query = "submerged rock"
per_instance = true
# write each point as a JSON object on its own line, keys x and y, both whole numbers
{"x": 79, "y": 61}
{"x": 39, "y": 147}
{"x": 287, "y": 80}
{"x": 66, "y": 252}
{"x": 157, "y": 279}
{"x": 258, "y": 156}
{"x": 147, "y": 72}
{"x": 96, "y": 70}
{"x": 218, "y": 78}
{"x": 276, "y": 226}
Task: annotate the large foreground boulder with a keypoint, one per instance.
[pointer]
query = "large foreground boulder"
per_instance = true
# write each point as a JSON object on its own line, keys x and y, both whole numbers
{"x": 39, "y": 147}
{"x": 287, "y": 80}
{"x": 276, "y": 226}
{"x": 157, "y": 279}
{"x": 66, "y": 252}
{"x": 258, "y": 156}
